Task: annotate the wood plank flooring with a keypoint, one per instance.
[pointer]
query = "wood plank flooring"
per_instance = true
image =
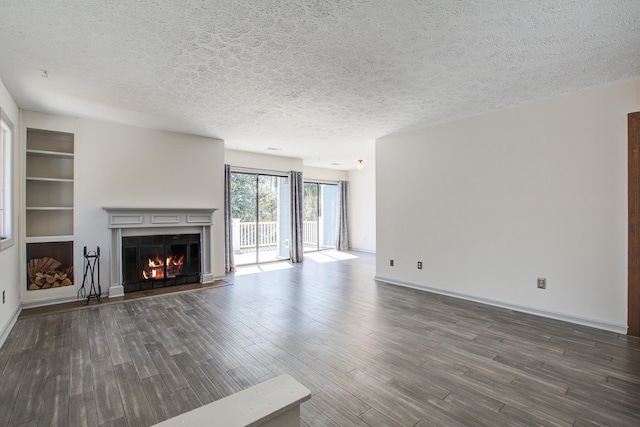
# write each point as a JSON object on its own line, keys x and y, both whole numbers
{"x": 371, "y": 353}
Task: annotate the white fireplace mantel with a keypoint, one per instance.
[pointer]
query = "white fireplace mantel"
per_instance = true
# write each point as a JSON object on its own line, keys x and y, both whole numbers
{"x": 140, "y": 221}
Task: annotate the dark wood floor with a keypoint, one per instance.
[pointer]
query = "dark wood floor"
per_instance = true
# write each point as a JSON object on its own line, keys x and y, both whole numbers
{"x": 371, "y": 353}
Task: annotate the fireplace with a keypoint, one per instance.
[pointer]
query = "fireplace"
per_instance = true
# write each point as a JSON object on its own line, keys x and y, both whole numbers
{"x": 160, "y": 260}
{"x": 151, "y": 242}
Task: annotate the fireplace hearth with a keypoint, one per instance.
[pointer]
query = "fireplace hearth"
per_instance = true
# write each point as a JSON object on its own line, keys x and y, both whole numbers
{"x": 159, "y": 261}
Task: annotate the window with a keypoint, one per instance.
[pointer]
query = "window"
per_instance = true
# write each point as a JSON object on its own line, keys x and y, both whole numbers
{"x": 6, "y": 181}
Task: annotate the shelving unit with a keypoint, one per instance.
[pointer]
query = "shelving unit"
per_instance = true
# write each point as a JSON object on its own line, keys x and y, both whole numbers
{"x": 49, "y": 207}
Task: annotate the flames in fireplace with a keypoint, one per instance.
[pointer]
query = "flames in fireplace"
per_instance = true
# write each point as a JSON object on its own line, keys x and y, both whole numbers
{"x": 157, "y": 261}
{"x": 155, "y": 267}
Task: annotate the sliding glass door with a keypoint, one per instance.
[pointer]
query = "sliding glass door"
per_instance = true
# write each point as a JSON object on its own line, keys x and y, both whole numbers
{"x": 260, "y": 217}
{"x": 320, "y": 211}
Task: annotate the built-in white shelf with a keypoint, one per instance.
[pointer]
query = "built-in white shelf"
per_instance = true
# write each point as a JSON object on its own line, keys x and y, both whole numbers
{"x": 49, "y": 205}
{"x": 47, "y": 239}
{"x": 49, "y": 208}
{"x": 49, "y": 222}
{"x": 44, "y": 153}
{"x": 47, "y": 179}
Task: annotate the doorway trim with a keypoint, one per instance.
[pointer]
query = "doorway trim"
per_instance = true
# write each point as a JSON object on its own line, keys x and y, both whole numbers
{"x": 633, "y": 301}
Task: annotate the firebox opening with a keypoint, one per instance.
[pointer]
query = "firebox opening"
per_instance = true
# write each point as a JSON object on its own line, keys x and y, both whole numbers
{"x": 158, "y": 261}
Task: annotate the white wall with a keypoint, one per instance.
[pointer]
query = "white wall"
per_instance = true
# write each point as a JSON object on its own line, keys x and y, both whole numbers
{"x": 265, "y": 162}
{"x": 362, "y": 202}
{"x": 362, "y": 208}
{"x": 245, "y": 159}
{"x": 9, "y": 257}
{"x": 126, "y": 166}
{"x": 320, "y": 174}
{"x": 491, "y": 203}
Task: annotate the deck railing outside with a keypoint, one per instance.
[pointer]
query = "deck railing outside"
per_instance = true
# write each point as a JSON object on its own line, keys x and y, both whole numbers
{"x": 244, "y": 233}
{"x": 267, "y": 233}
{"x": 310, "y": 233}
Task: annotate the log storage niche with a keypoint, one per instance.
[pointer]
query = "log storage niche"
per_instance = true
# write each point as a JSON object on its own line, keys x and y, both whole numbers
{"x": 49, "y": 265}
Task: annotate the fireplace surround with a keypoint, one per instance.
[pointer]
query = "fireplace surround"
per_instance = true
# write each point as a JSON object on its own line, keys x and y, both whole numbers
{"x": 127, "y": 222}
{"x": 159, "y": 261}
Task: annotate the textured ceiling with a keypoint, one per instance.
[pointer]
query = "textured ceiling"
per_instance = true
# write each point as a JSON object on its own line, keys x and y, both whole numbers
{"x": 319, "y": 79}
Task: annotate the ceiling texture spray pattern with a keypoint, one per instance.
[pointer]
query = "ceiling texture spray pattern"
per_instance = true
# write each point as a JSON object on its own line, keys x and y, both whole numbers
{"x": 320, "y": 79}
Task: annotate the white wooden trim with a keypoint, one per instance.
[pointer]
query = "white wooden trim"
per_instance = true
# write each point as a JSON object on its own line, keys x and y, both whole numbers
{"x": 4, "y": 333}
{"x": 124, "y": 217}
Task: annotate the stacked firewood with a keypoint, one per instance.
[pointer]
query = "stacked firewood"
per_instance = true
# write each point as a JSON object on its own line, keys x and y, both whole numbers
{"x": 44, "y": 273}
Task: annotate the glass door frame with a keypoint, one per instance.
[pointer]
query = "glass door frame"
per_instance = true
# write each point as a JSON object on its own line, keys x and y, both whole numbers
{"x": 256, "y": 175}
{"x": 319, "y": 208}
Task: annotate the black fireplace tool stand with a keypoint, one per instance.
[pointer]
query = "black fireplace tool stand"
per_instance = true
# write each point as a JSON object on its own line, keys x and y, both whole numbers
{"x": 91, "y": 276}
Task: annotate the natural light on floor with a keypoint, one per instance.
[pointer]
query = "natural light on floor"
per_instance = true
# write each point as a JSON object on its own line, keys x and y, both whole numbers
{"x": 328, "y": 256}
{"x": 320, "y": 257}
{"x": 272, "y": 266}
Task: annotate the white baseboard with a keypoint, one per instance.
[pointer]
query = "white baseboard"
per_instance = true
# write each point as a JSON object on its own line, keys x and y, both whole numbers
{"x": 369, "y": 251}
{"x": 4, "y": 333}
{"x": 607, "y": 326}
{"x": 46, "y": 302}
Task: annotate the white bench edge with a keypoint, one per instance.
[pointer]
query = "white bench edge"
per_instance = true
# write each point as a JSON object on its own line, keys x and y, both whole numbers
{"x": 250, "y": 407}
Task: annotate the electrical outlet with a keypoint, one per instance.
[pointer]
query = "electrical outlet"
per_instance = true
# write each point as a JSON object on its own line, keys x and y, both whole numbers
{"x": 542, "y": 283}
{"x": 390, "y": 263}
{"x": 419, "y": 265}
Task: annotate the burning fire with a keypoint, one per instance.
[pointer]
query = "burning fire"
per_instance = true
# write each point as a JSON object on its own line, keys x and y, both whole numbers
{"x": 155, "y": 268}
